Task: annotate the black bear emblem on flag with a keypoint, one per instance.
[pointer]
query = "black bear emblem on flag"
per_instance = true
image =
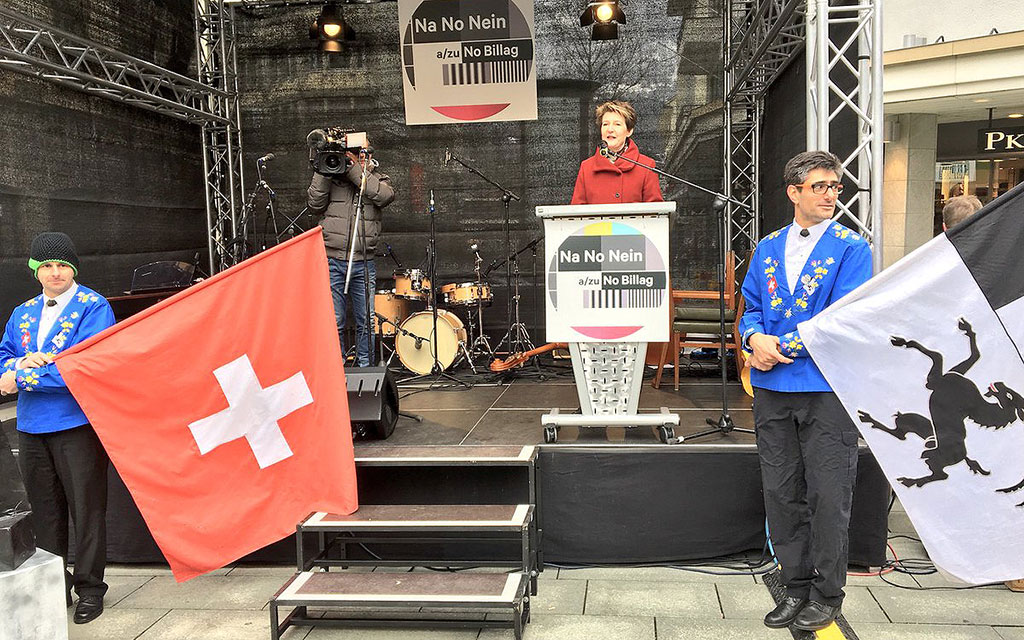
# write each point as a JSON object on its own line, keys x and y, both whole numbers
{"x": 954, "y": 399}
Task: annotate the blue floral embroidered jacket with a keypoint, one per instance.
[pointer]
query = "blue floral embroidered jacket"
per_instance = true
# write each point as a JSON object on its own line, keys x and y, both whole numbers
{"x": 44, "y": 403}
{"x": 839, "y": 263}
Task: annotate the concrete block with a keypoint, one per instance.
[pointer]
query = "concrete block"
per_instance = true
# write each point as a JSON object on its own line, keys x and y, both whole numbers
{"x": 894, "y": 225}
{"x": 560, "y": 596}
{"x": 744, "y": 602}
{"x": 894, "y": 198}
{"x": 650, "y": 574}
{"x": 886, "y": 631}
{"x": 684, "y": 629}
{"x": 986, "y": 607}
{"x": 205, "y": 592}
{"x": 561, "y": 627}
{"x": 860, "y": 606}
{"x": 216, "y": 625}
{"x": 921, "y": 163}
{"x": 32, "y": 605}
{"x": 115, "y": 624}
{"x": 677, "y": 600}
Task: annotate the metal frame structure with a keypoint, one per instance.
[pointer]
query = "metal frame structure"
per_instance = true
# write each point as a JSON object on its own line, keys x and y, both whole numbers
{"x": 845, "y": 76}
{"x": 762, "y": 37}
{"x": 217, "y": 63}
{"x": 34, "y": 48}
{"x": 31, "y": 47}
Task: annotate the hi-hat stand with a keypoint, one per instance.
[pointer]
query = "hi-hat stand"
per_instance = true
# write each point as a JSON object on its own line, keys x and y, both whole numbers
{"x": 724, "y": 423}
{"x": 481, "y": 345}
{"x": 518, "y": 337}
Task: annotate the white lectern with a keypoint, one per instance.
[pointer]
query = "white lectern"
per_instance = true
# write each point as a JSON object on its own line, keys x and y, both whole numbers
{"x": 607, "y": 295}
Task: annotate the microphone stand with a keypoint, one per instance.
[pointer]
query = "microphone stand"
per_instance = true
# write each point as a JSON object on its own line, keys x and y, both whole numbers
{"x": 724, "y": 424}
{"x": 507, "y": 196}
{"x": 248, "y": 213}
{"x": 435, "y": 370}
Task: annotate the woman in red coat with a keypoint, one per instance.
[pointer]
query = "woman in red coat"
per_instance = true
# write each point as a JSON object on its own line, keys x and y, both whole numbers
{"x": 603, "y": 181}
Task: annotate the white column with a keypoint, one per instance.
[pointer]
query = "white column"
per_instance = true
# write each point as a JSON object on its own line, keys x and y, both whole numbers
{"x": 908, "y": 190}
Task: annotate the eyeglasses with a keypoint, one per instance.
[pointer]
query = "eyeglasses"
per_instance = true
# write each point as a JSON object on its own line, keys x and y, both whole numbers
{"x": 818, "y": 188}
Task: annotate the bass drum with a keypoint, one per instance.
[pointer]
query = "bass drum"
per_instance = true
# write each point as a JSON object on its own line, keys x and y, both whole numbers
{"x": 451, "y": 333}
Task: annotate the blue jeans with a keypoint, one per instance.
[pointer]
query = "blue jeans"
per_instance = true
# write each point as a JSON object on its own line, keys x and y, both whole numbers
{"x": 357, "y": 293}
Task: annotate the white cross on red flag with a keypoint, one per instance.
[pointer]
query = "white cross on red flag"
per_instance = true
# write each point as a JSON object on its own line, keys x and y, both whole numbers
{"x": 224, "y": 407}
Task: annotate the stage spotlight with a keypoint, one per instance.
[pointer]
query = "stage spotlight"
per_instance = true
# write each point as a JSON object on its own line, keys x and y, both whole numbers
{"x": 330, "y": 29}
{"x": 604, "y": 16}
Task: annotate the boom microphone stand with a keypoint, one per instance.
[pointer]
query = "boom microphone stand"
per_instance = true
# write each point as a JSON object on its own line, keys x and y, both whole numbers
{"x": 507, "y": 196}
{"x": 724, "y": 423}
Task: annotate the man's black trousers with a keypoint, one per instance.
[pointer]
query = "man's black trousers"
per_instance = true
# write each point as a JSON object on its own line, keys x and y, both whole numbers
{"x": 807, "y": 446}
{"x": 67, "y": 471}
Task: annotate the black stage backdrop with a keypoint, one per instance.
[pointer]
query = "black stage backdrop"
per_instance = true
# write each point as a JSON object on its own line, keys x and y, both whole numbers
{"x": 667, "y": 62}
{"x": 124, "y": 183}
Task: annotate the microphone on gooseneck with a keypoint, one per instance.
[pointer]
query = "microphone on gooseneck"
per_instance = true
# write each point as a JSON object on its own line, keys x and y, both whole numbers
{"x": 604, "y": 148}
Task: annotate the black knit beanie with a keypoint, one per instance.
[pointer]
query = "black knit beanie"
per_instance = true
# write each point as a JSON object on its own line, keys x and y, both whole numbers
{"x": 52, "y": 246}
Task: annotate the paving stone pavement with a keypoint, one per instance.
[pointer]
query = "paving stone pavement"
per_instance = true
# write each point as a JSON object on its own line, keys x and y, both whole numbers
{"x": 599, "y": 603}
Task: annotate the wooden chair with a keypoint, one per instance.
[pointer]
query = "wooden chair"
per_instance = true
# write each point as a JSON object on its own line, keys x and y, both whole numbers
{"x": 699, "y": 326}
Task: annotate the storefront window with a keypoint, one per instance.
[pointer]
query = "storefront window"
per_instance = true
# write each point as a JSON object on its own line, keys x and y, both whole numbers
{"x": 986, "y": 179}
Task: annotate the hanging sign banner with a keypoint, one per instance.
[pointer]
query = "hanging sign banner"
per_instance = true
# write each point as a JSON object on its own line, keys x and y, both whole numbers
{"x": 468, "y": 60}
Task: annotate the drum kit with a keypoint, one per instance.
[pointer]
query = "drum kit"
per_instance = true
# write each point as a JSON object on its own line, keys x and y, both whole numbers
{"x": 403, "y": 314}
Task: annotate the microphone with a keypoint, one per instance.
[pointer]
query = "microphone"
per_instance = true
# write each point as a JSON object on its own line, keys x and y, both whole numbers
{"x": 604, "y": 149}
{"x": 447, "y": 156}
{"x": 265, "y": 159}
{"x": 431, "y": 201}
{"x": 473, "y": 247}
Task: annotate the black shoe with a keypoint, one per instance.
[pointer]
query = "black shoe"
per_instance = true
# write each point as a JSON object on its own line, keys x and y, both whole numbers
{"x": 784, "y": 613}
{"x": 815, "y": 617}
{"x": 89, "y": 608}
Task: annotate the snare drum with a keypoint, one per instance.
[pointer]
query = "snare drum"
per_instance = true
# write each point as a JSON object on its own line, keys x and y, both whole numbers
{"x": 391, "y": 307}
{"x": 420, "y": 358}
{"x": 412, "y": 284}
{"x": 466, "y": 294}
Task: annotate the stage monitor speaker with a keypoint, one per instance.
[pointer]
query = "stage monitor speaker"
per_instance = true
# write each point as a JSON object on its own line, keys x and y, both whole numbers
{"x": 372, "y": 401}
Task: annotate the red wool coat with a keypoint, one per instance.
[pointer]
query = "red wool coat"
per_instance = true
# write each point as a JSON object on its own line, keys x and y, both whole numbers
{"x": 601, "y": 182}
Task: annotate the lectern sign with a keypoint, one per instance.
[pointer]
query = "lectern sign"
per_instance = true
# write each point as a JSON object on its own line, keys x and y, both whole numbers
{"x": 468, "y": 60}
{"x": 607, "y": 280}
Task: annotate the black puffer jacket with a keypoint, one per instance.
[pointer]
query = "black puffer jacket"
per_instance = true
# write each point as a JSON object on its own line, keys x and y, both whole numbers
{"x": 335, "y": 199}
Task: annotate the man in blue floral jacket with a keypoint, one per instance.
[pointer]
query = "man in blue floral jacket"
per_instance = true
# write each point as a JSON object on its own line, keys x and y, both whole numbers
{"x": 61, "y": 459}
{"x": 806, "y": 442}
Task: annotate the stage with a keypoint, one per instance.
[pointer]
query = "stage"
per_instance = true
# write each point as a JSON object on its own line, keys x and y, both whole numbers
{"x": 605, "y": 496}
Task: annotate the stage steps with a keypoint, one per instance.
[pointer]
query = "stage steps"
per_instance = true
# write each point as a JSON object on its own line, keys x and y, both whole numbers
{"x": 365, "y": 596}
{"x": 467, "y": 599}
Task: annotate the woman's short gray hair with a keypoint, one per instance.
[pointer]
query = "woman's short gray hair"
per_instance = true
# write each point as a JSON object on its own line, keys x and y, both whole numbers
{"x": 803, "y": 163}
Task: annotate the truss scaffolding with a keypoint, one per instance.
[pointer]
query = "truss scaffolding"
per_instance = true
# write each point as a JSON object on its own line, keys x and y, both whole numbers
{"x": 217, "y": 63}
{"x": 31, "y": 47}
{"x": 844, "y": 75}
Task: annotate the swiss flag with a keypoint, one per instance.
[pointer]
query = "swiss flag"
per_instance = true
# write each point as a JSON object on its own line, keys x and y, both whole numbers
{"x": 224, "y": 408}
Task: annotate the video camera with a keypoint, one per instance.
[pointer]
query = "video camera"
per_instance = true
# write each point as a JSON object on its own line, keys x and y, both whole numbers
{"x": 327, "y": 148}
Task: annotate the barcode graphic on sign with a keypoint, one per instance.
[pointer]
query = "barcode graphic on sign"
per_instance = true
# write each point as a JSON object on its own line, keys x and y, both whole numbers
{"x": 486, "y": 72}
{"x": 623, "y": 299}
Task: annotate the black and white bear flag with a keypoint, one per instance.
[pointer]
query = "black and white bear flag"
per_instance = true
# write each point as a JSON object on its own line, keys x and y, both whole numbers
{"x": 927, "y": 359}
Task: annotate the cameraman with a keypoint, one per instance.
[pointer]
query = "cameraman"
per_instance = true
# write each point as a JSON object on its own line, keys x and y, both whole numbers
{"x": 336, "y": 198}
